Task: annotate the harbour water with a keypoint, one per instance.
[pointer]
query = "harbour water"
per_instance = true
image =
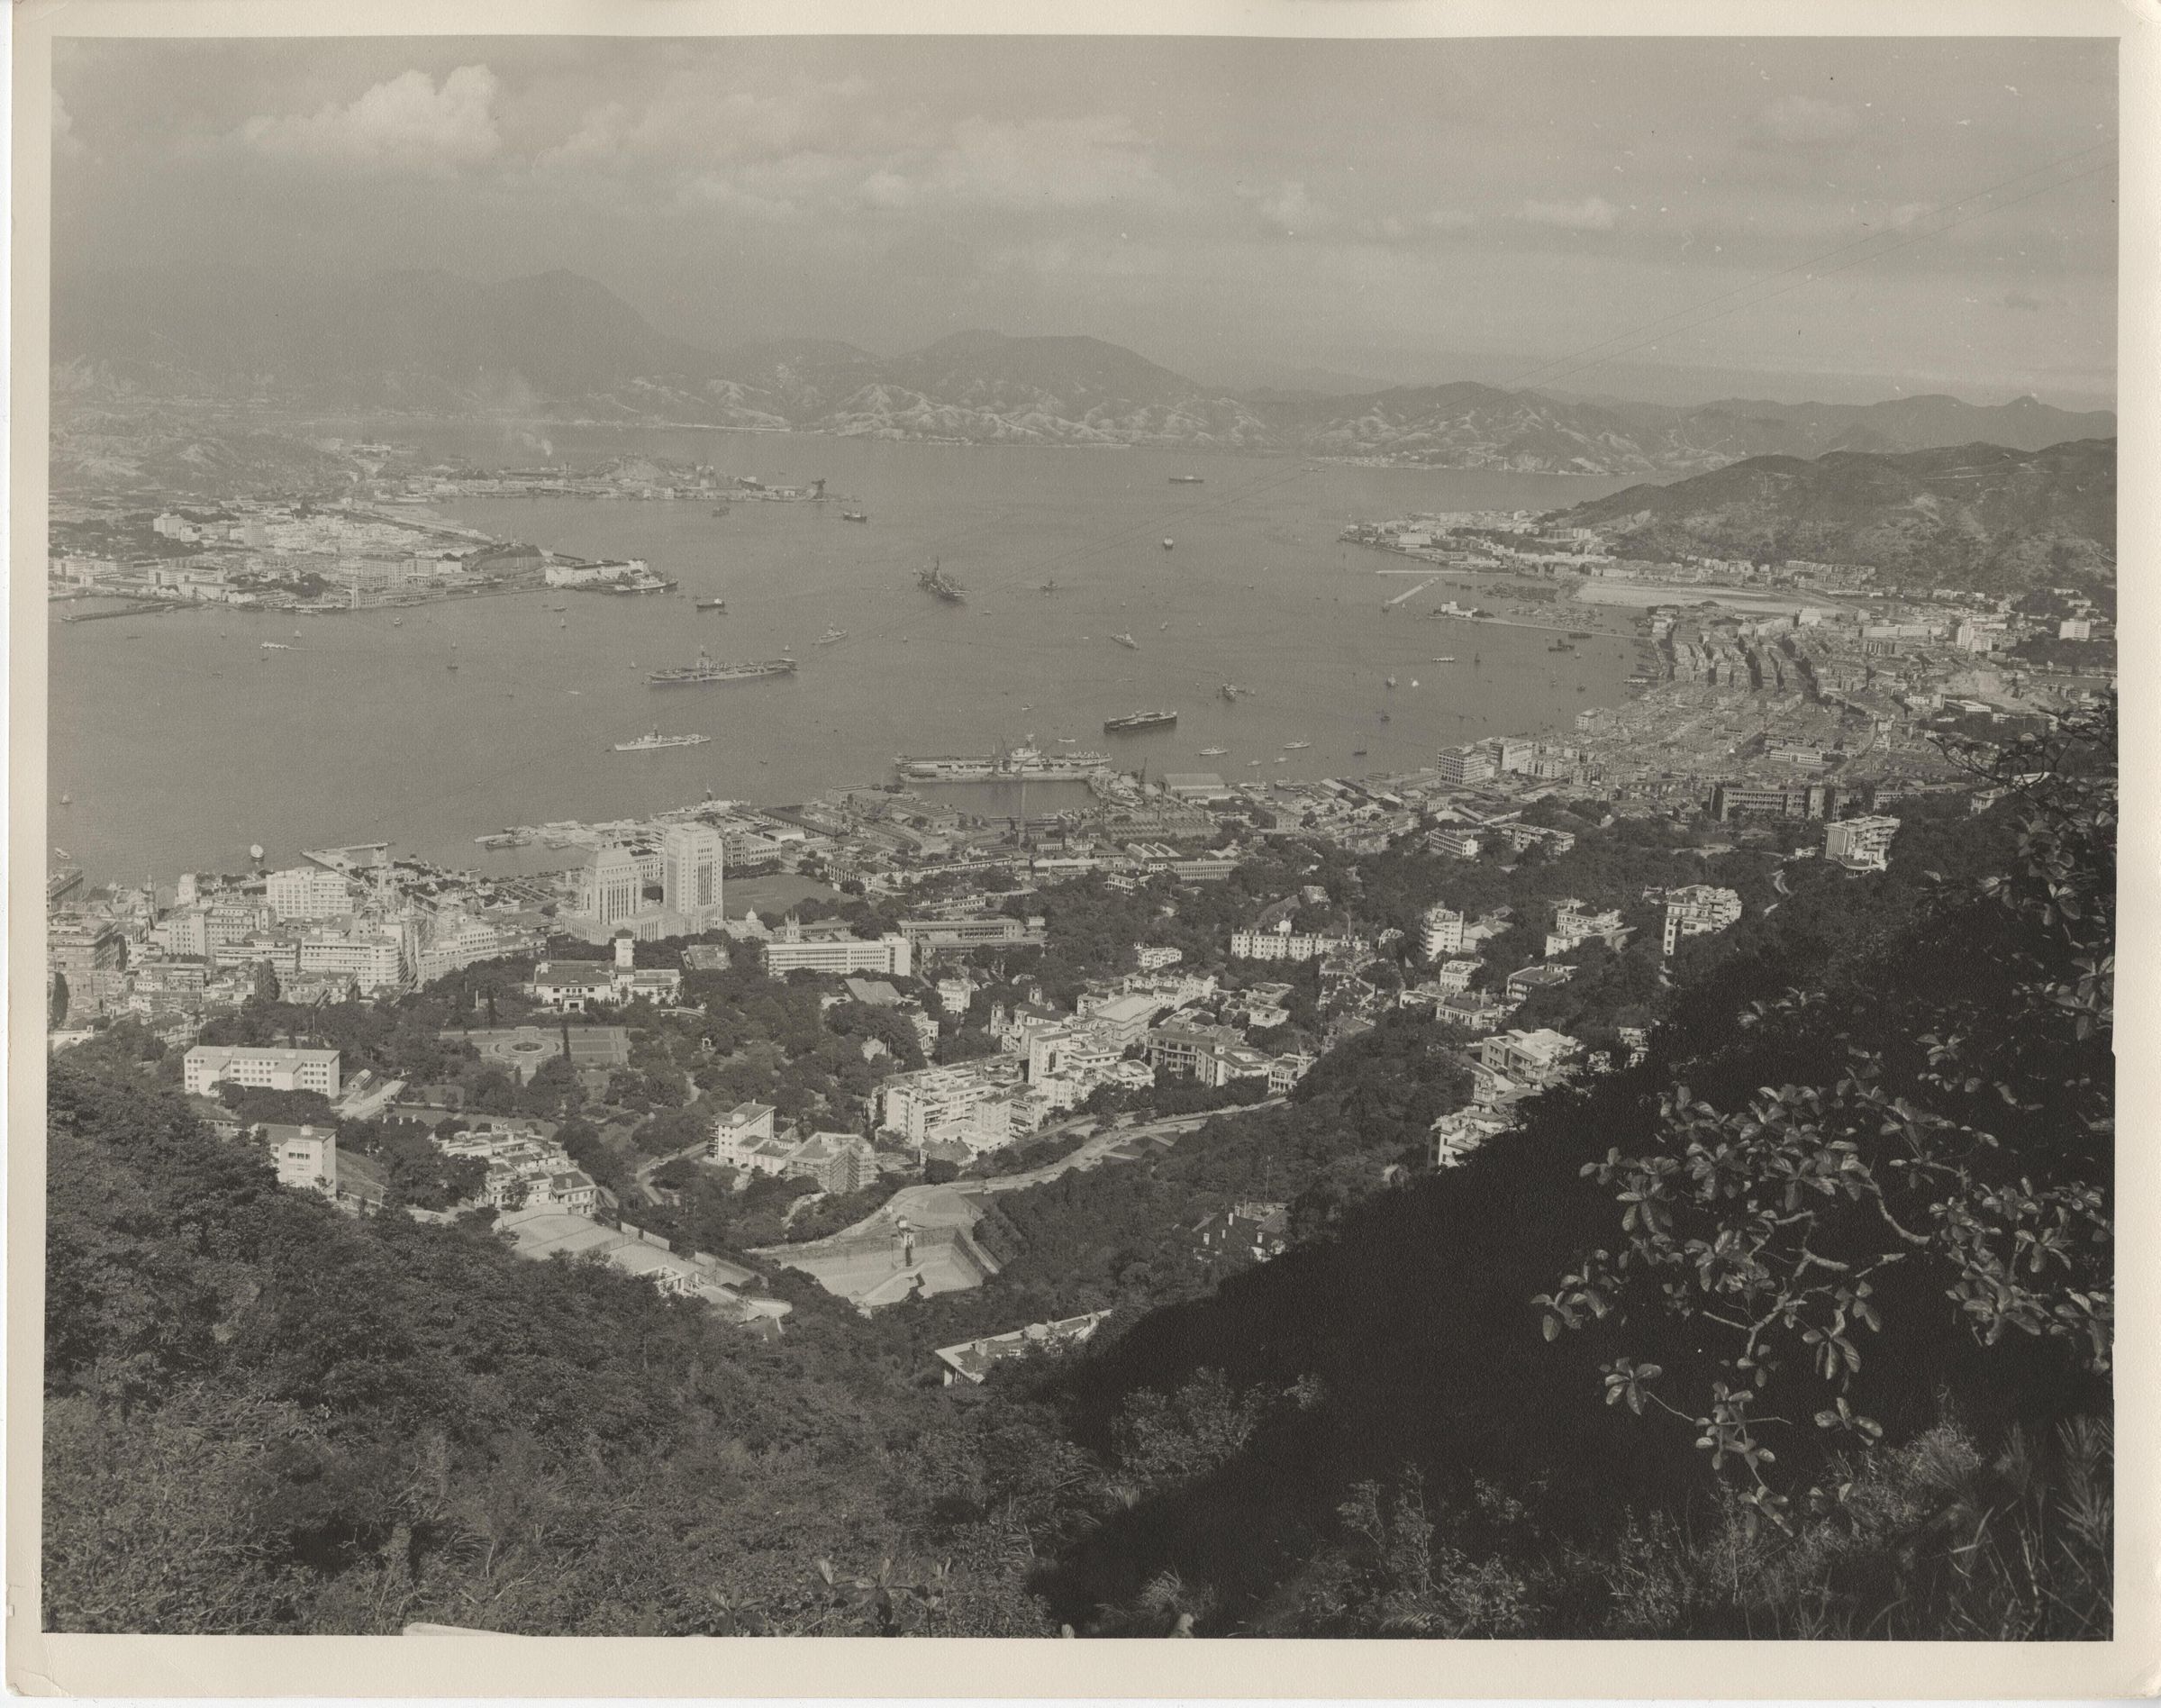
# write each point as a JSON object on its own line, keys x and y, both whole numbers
{"x": 182, "y": 740}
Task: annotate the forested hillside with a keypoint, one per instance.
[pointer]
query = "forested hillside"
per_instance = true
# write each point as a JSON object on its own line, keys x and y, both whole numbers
{"x": 1800, "y": 1327}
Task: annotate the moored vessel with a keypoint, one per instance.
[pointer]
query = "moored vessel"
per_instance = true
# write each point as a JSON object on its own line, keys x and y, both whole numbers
{"x": 653, "y": 739}
{"x": 706, "y": 670}
{"x": 1132, "y": 723}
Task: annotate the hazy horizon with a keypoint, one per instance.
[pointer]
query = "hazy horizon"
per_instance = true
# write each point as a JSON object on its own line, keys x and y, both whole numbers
{"x": 1309, "y": 215}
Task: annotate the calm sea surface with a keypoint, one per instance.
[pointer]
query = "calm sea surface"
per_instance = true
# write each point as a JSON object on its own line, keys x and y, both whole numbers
{"x": 181, "y": 741}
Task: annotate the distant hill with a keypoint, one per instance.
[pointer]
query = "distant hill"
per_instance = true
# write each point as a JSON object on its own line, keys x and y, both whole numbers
{"x": 559, "y": 346}
{"x": 1979, "y": 517}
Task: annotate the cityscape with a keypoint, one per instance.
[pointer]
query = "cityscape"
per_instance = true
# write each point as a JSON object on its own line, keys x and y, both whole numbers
{"x": 732, "y": 1184}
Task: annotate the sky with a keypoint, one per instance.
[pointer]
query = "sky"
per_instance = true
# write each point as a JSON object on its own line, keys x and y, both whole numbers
{"x": 1244, "y": 210}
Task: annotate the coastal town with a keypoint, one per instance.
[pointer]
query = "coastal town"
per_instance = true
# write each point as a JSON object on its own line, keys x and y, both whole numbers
{"x": 1537, "y": 887}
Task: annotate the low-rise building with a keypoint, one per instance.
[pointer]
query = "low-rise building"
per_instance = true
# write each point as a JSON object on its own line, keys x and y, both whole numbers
{"x": 1574, "y": 924}
{"x": 793, "y": 948}
{"x": 1537, "y": 1057}
{"x": 1860, "y": 844}
{"x": 972, "y": 1360}
{"x": 1457, "y": 841}
{"x": 1695, "y": 910}
{"x": 305, "y": 1157}
{"x": 259, "y": 1069}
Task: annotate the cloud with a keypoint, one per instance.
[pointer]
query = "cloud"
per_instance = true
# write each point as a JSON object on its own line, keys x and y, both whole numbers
{"x": 1802, "y": 120}
{"x": 407, "y": 123}
{"x": 1092, "y": 161}
{"x": 1399, "y": 228}
{"x": 1593, "y": 213}
{"x": 1287, "y": 208}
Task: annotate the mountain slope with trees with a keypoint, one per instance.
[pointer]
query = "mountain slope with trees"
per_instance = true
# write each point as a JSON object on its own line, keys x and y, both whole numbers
{"x": 1977, "y": 516}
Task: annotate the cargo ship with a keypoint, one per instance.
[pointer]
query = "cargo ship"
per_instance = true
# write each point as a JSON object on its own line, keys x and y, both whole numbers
{"x": 1015, "y": 765}
{"x": 705, "y": 670}
{"x": 653, "y": 739}
{"x": 936, "y": 581}
{"x": 1133, "y": 722}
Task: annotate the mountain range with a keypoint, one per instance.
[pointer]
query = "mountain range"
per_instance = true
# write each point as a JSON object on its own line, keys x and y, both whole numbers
{"x": 557, "y": 346}
{"x": 1983, "y": 516}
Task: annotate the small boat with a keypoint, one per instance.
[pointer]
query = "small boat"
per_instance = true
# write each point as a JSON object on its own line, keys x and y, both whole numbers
{"x": 1295, "y": 746}
{"x": 296, "y": 636}
{"x": 713, "y": 605}
{"x": 1414, "y": 682}
{"x": 1049, "y": 587}
{"x": 451, "y": 666}
{"x": 1446, "y": 658}
{"x": 276, "y": 646}
{"x": 1127, "y": 642}
{"x": 1213, "y": 753}
{"x": 832, "y": 635}
{"x": 1386, "y": 719}
{"x": 397, "y": 622}
{"x": 67, "y": 799}
{"x": 853, "y": 515}
{"x": 1252, "y": 762}
{"x": 1358, "y": 753}
{"x": 1166, "y": 542}
{"x": 1186, "y": 480}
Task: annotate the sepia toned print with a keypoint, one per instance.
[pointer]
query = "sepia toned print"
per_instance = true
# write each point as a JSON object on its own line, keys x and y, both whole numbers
{"x": 1139, "y": 838}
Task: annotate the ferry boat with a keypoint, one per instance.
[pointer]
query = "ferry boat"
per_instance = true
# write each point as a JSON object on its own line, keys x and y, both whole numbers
{"x": 1127, "y": 642}
{"x": 1135, "y": 722}
{"x": 1186, "y": 480}
{"x": 505, "y": 839}
{"x": 934, "y": 580}
{"x": 653, "y": 739}
{"x": 1446, "y": 659}
{"x": 647, "y": 582}
{"x": 1025, "y": 763}
{"x": 277, "y": 646}
{"x": 713, "y": 605}
{"x": 705, "y": 670}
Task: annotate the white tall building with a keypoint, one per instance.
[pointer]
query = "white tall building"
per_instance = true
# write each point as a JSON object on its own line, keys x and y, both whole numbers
{"x": 691, "y": 858}
{"x": 616, "y": 889}
{"x": 307, "y": 892}
{"x": 1444, "y": 932}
